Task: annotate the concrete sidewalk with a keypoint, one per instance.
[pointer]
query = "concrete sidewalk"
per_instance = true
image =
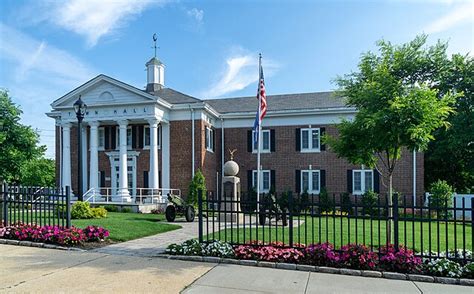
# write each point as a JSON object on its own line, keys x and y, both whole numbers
{"x": 39, "y": 270}
{"x": 245, "y": 279}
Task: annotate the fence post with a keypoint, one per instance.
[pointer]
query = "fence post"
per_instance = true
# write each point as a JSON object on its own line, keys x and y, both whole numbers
{"x": 68, "y": 207}
{"x": 200, "y": 216}
{"x": 395, "y": 220}
{"x": 5, "y": 204}
{"x": 290, "y": 218}
{"x": 472, "y": 221}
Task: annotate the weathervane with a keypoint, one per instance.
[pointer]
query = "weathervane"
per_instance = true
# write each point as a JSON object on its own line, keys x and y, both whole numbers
{"x": 154, "y": 42}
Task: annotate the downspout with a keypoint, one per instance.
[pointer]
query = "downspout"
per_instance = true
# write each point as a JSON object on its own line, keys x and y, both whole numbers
{"x": 192, "y": 138}
{"x": 222, "y": 157}
{"x": 414, "y": 177}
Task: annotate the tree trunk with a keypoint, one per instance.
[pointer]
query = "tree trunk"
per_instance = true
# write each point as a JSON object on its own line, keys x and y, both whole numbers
{"x": 390, "y": 210}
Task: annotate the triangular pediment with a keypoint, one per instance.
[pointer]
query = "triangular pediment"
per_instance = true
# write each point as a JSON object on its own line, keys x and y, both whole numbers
{"x": 103, "y": 90}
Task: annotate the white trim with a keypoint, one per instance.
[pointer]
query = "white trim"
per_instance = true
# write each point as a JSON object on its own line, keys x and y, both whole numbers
{"x": 310, "y": 181}
{"x": 100, "y": 78}
{"x": 263, "y": 171}
{"x": 310, "y": 148}
{"x": 362, "y": 181}
{"x": 262, "y": 150}
{"x": 99, "y": 131}
{"x": 209, "y": 139}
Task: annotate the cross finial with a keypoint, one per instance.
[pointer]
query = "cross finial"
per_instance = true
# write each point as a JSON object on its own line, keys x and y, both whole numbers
{"x": 154, "y": 42}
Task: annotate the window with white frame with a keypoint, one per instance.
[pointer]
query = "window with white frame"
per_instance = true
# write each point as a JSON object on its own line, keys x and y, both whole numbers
{"x": 147, "y": 138}
{"x": 129, "y": 137}
{"x": 209, "y": 139}
{"x": 362, "y": 181}
{"x": 101, "y": 138}
{"x": 265, "y": 137}
{"x": 311, "y": 181}
{"x": 264, "y": 180}
{"x": 310, "y": 140}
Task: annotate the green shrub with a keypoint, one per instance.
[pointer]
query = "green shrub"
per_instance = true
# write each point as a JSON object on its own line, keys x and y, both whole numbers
{"x": 468, "y": 271}
{"x": 325, "y": 203}
{"x": 81, "y": 210}
{"x": 111, "y": 208}
{"x": 198, "y": 183}
{"x": 346, "y": 203}
{"x": 369, "y": 203}
{"x": 441, "y": 198}
{"x": 99, "y": 212}
{"x": 304, "y": 201}
{"x": 126, "y": 210}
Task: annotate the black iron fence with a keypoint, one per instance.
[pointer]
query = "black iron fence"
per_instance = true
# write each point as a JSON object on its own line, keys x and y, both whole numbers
{"x": 39, "y": 205}
{"x": 433, "y": 231}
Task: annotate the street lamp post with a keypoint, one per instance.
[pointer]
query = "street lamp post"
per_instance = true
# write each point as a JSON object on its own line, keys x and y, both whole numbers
{"x": 80, "y": 110}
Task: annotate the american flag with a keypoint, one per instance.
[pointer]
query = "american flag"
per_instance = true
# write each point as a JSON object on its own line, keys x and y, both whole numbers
{"x": 262, "y": 98}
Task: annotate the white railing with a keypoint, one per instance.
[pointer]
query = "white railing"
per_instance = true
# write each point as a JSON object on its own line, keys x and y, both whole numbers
{"x": 139, "y": 195}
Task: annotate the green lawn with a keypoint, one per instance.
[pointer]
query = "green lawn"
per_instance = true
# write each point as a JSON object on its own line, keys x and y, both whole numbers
{"x": 341, "y": 230}
{"x": 122, "y": 226}
{"x": 129, "y": 226}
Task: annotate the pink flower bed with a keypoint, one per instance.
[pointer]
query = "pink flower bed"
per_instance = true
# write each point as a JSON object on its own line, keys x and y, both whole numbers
{"x": 53, "y": 234}
{"x": 272, "y": 252}
{"x": 403, "y": 260}
{"x": 323, "y": 254}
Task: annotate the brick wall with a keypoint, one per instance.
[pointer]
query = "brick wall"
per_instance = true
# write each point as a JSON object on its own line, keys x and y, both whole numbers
{"x": 285, "y": 160}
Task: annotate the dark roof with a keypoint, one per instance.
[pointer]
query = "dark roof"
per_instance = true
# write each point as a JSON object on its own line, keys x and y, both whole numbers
{"x": 174, "y": 97}
{"x": 318, "y": 100}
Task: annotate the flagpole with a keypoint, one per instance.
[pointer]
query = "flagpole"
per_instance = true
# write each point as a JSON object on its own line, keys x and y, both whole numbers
{"x": 259, "y": 134}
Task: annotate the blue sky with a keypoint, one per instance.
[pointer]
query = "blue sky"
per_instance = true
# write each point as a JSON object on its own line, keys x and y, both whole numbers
{"x": 210, "y": 48}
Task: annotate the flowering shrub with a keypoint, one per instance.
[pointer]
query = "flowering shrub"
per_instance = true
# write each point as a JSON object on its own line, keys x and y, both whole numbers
{"x": 219, "y": 249}
{"x": 95, "y": 234}
{"x": 273, "y": 252}
{"x": 358, "y": 257}
{"x": 401, "y": 260}
{"x": 193, "y": 247}
{"x": 50, "y": 234}
{"x": 444, "y": 267}
{"x": 468, "y": 271}
{"x": 321, "y": 254}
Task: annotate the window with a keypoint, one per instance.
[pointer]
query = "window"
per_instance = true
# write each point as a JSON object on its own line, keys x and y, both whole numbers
{"x": 209, "y": 139}
{"x": 362, "y": 181}
{"x": 310, "y": 140}
{"x": 101, "y": 138}
{"x": 264, "y": 180}
{"x": 310, "y": 181}
{"x": 265, "y": 141}
{"x": 129, "y": 137}
{"x": 147, "y": 137}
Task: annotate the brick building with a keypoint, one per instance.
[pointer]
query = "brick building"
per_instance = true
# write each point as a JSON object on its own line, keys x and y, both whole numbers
{"x": 156, "y": 139}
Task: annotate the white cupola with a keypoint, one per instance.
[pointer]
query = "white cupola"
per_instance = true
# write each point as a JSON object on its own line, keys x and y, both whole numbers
{"x": 155, "y": 75}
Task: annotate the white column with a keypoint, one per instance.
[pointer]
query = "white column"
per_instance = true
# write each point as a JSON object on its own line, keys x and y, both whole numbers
{"x": 66, "y": 155}
{"x": 165, "y": 155}
{"x": 154, "y": 173}
{"x": 123, "y": 194}
{"x": 94, "y": 158}
{"x": 84, "y": 157}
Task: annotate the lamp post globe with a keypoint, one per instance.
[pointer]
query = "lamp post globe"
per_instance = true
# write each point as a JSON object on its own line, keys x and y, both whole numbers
{"x": 80, "y": 109}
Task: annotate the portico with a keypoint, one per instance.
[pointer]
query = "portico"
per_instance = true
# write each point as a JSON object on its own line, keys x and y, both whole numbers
{"x": 125, "y": 125}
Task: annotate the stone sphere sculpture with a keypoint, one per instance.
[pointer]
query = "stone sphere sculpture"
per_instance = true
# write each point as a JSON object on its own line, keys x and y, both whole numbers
{"x": 231, "y": 168}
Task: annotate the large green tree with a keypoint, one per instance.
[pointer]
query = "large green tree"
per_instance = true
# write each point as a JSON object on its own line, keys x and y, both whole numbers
{"x": 38, "y": 172}
{"x": 451, "y": 156}
{"x": 396, "y": 106}
{"x": 18, "y": 143}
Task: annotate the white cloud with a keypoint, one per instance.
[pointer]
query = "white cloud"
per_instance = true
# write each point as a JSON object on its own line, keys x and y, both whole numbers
{"x": 36, "y": 73}
{"x": 92, "y": 19}
{"x": 241, "y": 71}
{"x": 197, "y": 14}
{"x": 458, "y": 15}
